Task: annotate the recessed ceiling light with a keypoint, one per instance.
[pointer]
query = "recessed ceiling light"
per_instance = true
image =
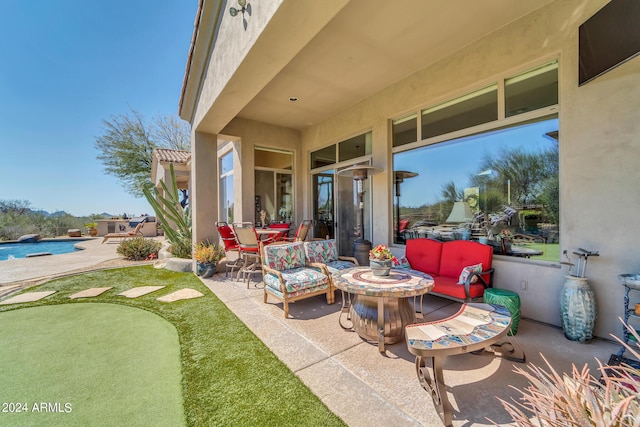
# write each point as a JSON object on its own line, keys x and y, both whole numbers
{"x": 293, "y": 98}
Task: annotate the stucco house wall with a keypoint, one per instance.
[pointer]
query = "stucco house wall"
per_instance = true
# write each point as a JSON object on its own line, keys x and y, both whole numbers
{"x": 599, "y": 148}
{"x": 599, "y": 136}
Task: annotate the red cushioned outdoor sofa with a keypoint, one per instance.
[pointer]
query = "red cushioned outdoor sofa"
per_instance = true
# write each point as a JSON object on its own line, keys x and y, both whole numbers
{"x": 445, "y": 262}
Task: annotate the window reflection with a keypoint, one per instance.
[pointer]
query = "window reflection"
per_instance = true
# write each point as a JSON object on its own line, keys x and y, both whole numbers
{"x": 498, "y": 187}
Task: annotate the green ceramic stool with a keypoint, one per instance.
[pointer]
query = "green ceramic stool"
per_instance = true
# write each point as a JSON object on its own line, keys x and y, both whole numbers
{"x": 508, "y": 299}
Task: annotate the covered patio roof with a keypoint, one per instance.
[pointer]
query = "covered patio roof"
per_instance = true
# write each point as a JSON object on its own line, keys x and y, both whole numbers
{"x": 351, "y": 50}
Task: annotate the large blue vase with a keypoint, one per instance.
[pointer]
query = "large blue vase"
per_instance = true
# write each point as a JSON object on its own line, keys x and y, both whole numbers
{"x": 578, "y": 309}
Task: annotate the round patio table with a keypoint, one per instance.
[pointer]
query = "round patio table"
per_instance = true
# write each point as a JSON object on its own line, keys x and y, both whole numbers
{"x": 381, "y": 309}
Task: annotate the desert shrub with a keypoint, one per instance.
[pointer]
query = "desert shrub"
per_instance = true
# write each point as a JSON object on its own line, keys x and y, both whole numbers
{"x": 139, "y": 248}
{"x": 580, "y": 399}
{"x": 181, "y": 248}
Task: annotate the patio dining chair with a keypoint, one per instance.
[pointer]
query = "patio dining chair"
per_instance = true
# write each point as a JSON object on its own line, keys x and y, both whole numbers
{"x": 247, "y": 238}
{"x": 301, "y": 231}
{"x": 231, "y": 246}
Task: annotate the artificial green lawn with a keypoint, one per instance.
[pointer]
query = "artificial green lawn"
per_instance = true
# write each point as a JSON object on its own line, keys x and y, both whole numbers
{"x": 89, "y": 362}
{"x": 229, "y": 377}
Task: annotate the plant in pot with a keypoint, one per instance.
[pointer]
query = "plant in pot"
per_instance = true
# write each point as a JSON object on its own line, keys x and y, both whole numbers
{"x": 207, "y": 256}
{"x": 380, "y": 260}
{"x": 92, "y": 228}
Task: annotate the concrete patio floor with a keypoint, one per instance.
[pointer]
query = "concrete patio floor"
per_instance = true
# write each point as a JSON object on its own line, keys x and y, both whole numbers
{"x": 355, "y": 381}
{"x": 366, "y": 388}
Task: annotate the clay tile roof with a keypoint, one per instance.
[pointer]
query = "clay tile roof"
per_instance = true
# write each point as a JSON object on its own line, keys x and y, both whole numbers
{"x": 172, "y": 156}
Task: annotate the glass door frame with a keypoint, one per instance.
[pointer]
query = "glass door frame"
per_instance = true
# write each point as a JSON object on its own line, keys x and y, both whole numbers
{"x": 337, "y": 204}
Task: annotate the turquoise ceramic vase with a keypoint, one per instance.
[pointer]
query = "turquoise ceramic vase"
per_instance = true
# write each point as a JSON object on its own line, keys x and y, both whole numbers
{"x": 578, "y": 309}
{"x": 380, "y": 267}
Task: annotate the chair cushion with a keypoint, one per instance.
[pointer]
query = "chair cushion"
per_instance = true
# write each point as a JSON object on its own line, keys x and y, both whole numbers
{"x": 297, "y": 281}
{"x": 284, "y": 257}
{"x": 339, "y": 265}
{"x": 458, "y": 254}
{"x": 323, "y": 251}
{"x": 449, "y": 286}
{"x": 424, "y": 255}
{"x": 467, "y": 271}
{"x": 228, "y": 238}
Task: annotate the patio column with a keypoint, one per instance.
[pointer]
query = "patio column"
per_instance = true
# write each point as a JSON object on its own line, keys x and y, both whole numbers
{"x": 204, "y": 186}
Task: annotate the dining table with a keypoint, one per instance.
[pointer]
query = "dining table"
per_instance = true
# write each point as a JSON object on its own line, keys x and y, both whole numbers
{"x": 264, "y": 234}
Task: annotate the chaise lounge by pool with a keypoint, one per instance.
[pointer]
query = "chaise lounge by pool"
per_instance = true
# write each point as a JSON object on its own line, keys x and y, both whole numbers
{"x": 48, "y": 247}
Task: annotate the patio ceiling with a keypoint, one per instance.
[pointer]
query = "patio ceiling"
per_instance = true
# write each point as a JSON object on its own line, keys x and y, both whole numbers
{"x": 369, "y": 45}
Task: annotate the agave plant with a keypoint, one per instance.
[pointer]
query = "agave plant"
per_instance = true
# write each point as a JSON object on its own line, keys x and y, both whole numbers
{"x": 170, "y": 212}
{"x": 552, "y": 399}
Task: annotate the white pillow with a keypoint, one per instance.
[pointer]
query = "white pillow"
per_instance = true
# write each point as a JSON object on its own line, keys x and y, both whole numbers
{"x": 469, "y": 270}
{"x": 403, "y": 263}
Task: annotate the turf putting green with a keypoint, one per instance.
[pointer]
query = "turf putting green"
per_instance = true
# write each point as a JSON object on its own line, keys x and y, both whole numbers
{"x": 53, "y": 361}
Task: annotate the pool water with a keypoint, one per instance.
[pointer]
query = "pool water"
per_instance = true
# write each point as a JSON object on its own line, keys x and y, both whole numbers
{"x": 21, "y": 250}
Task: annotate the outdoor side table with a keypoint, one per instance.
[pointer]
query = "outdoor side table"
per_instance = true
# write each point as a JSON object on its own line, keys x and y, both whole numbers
{"x": 475, "y": 327}
{"x": 381, "y": 308}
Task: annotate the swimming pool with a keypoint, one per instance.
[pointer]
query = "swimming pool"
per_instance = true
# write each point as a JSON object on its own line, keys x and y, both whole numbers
{"x": 21, "y": 250}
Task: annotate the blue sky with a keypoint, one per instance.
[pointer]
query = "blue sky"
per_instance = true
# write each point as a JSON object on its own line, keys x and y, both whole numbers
{"x": 67, "y": 65}
{"x": 459, "y": 159}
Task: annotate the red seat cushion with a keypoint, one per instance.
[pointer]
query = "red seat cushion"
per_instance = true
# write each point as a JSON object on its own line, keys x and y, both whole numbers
{"x": 449, "y": 286}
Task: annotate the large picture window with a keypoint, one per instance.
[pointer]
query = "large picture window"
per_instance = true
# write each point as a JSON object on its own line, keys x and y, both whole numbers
{"x": 499, "y": 187}
{"x": 498, "y": 184}
{"x": 274, "y": 185}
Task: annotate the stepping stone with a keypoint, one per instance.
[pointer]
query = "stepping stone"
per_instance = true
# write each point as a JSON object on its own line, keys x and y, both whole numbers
{"x": 27, "y": 297}
{"x": 88, "y": 293}
{"x": 139, "y": 291}
{"x": 186, "y": 293}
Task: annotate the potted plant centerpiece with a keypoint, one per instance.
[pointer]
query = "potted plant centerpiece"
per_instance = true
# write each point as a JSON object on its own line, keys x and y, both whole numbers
{"x": 92, "y": 228}
{"x": 380, "y": 260}
{"x": 207, "y": 256}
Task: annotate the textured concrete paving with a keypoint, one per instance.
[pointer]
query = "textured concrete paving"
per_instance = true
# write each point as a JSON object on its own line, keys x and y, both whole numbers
{"x": 27, "y": 297}
{"x": 367, "y": 388}
{"x": 93, "y": 253}
{"x": 140, "y": 291}
{"x": 90, "y": 293}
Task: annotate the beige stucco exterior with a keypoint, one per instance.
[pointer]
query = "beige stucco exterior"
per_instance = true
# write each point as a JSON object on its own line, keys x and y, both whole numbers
{"x": 599, "y": 128}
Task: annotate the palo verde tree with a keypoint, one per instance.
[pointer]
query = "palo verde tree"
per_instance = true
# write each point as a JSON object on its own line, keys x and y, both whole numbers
{"x": 127, "y": 142}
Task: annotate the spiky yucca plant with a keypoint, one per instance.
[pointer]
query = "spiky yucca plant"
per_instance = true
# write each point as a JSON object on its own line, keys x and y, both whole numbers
{"x": 552, "y": 399}
{"x": 167, "y": 206}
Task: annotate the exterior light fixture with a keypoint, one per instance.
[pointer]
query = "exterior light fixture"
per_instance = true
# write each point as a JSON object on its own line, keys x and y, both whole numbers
{"x": 360, "y": 173}
{"x": 245, "y": 7}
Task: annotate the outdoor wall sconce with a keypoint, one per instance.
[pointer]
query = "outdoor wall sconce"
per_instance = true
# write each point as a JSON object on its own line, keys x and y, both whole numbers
{"x": 246, "y": 7}
{"x": 360, "y": 173}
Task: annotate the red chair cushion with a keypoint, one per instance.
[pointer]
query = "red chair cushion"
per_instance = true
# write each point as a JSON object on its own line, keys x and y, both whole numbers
{"x": 459, "y": 254}
{"x": 424, "y": 255}
{"x": 449, "y": 286}
{"x": 228, "y": 238}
